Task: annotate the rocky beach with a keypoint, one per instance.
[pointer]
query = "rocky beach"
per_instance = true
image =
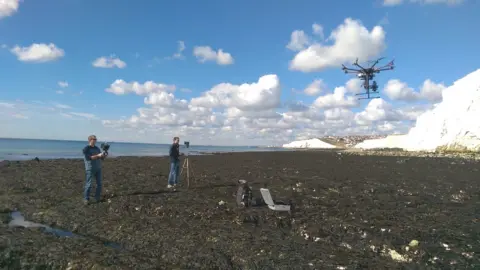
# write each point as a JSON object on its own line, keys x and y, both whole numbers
{"x": 351, "y": 211}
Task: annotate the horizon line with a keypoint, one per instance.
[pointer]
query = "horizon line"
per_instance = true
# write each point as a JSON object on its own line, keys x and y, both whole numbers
{"x": 70, "y": 140}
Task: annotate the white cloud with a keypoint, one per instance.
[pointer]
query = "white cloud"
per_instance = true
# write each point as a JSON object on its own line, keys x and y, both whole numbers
{"x": 206, "y": 53}
{"x": 338, "y": 114}
{"x": 411, "y": 112}
{"x": 8, "y": 7}
{"x": 299, "y": 40}
{"x": 315, "y": 88}
{"x": 226, "y": 110}
{"x": 398, "y": 90}
{"x": 354, "y": 86}
{"x": 338, "y": 99}
{"x": 424, "y": 2}
{"x": 181, "y": 48}
{"x": 351, "y": 40}
{"x": 386, "y": 127}
{"x": 384, "y": 20}
{"x": 318, "y": 30}
{"x": 38, "y": 53}
{"x": 392, "y": 2}
{"x": 19, "y": 116}
{"x": 378, "y": 110}
{"x": 60, "y": 92}
{"x": 7, "y": 105}
{"x": 37, "y": 110}
{"x": 84, "y": 115}
{"x": 61, "y": 106}
{"x": 263, "y": 94}
{"x": 121, "y": 87}
{"x": 164, "y": 99}
{"x": 63, "y": 84}
{"x": 109, "y": 62}
{"x": 432, "y": 91}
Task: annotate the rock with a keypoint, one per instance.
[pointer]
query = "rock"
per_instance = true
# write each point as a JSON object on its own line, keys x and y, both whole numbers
{"x": 413, "y": 243}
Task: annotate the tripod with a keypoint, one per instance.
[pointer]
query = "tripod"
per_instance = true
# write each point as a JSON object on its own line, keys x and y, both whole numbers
{"x": 186, "y": 165}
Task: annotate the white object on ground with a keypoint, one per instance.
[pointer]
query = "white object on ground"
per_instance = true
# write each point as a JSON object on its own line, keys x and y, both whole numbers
{"x": 267, "y": 197}
{"x": 452, "y": 124}
{"x": 312, "y": 143}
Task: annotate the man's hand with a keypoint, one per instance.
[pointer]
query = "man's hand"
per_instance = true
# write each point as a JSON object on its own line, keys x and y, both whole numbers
{"x": 182, "y": 154}
{"x": 97, "y": 156}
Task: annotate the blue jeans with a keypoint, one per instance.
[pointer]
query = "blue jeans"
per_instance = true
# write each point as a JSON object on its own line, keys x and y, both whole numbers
{"x": 90, "y": 174}
{"x": 174, "y": 172}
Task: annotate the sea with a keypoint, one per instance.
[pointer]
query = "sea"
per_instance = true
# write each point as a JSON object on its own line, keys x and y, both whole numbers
{"x": 27, "y": 149}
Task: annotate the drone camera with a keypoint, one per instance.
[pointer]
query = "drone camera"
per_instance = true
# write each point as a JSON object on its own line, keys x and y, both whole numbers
{"x": 105, "y": 146}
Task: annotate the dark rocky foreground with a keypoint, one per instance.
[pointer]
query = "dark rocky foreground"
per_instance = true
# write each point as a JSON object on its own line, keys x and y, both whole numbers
{"x": 351, "y": 212}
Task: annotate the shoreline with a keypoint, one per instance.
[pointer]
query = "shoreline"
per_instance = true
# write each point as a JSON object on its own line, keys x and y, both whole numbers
{"x": 27, "y": 157}
{"x": 347, "y": 151}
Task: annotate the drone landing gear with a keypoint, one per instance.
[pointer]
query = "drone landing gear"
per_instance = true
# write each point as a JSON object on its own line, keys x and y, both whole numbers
{"x": 373, "y": 88}
{"x": 366, "y": 96}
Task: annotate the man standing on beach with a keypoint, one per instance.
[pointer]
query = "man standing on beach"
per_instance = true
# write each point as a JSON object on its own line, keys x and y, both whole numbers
{"x": 93, "y": 156}
{"x": 174, "y": 163}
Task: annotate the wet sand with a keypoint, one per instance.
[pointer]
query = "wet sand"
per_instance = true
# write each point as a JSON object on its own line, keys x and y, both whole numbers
{"x": 350, "y": 211}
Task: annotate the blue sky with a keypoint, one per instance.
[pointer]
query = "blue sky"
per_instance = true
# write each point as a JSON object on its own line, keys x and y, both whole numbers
{"x": 428, "y": 41}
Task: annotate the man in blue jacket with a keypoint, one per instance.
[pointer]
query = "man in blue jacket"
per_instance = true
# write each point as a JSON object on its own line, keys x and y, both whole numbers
{"x": 92, "y": 156}
{"x": 174, "y": 163}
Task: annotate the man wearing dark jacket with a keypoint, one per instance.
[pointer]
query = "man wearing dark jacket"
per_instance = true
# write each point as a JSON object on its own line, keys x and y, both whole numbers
{"x": 92, "y": 156}
{"x": 174, "y": 163}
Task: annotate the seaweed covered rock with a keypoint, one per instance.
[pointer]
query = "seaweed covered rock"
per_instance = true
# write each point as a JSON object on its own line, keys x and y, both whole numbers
{"x": 351, "y": 211}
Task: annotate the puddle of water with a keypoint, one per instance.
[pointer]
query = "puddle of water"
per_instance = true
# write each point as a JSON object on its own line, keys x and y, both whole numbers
{"x": 18, "y": 220}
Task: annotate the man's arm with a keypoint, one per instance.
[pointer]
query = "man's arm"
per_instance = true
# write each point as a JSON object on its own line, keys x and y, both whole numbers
{"x": 88, "y": 156}
{"x": 86, "y": 153}
{"x": 97, "y": 156}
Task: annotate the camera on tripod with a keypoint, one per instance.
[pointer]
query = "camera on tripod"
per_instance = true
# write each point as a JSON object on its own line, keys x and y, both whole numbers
{"x": 187, "y": 144}
{"x": 105, "y": 147}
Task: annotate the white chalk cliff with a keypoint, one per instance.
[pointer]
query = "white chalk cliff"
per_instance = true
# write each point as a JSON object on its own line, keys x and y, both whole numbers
{"x": 311, "y": 144}
{"x": 453, "y": 124}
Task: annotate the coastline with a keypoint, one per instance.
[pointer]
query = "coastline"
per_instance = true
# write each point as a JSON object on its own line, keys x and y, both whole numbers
{"x": 343, "y": 150}
{"x": 25, "y": 149}
{"x": 342, "y": 204}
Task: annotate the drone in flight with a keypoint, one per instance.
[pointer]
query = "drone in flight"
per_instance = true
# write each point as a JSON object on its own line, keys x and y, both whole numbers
{"x": 367, "y": 75}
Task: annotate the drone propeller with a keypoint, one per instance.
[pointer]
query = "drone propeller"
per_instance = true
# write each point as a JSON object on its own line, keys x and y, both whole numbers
{"x": 376, "y": 61}
{"x": 389, "y": 66}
